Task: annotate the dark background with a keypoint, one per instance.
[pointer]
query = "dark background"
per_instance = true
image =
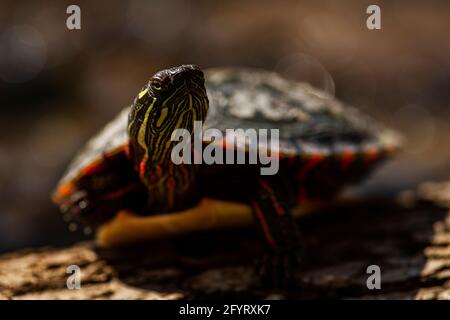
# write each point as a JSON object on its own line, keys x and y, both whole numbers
{"x": 58, "y": 87}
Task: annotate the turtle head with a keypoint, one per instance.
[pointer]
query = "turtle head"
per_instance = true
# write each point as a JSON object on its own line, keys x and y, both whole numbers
{"x": 173, "y": 99}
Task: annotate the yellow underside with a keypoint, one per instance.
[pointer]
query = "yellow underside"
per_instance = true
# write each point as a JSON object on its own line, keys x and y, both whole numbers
{"x": 210, "y": 214}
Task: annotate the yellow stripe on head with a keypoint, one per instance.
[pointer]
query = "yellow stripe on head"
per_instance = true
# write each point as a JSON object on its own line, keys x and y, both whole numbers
{"x": 142, "y": 93}
{"x": 162, "y": 117}
{"x": 143, "y": 128}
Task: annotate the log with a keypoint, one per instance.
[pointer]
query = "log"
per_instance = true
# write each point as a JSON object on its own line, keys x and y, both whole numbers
{"x": 408, "y": 238}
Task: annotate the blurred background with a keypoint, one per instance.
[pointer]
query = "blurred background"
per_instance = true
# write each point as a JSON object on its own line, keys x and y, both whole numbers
{"x": 58, "y": 87}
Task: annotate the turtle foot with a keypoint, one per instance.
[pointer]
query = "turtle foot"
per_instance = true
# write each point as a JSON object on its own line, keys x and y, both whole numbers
{"x": 277, "y": 268}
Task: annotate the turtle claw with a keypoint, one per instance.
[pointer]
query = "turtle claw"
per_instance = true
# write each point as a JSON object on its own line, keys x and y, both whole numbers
{"x": 277, "y": 268}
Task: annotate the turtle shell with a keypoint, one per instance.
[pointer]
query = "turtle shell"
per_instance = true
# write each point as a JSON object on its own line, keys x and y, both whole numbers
{"x": 309, "y": 120}
{"x": 314, "y": 128}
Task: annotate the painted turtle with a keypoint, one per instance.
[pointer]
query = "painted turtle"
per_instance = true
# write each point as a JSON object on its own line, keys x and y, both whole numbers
{"x": 125, "y": 185}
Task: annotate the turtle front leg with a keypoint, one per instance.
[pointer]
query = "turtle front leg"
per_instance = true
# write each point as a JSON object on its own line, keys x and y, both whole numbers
{"x": 272, "y": 200}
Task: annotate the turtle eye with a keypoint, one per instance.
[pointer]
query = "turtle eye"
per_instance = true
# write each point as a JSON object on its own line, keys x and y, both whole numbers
{"x": 157, "y": 84}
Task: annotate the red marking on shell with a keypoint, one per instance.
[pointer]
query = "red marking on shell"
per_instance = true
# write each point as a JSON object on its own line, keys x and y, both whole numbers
{"x": 224, "y": 143}
{"x": 264, "y": 226}
{"x": 93, "y": 168}
{"x": 314, "y": 160}
{"x": 371, "y": 154}
{"x": 119, "y": 193}
{"x": 347, "y": 157}
{"x": 64, "y": 191}
{"x": 276, "y": 154}
{"x": 278, "y": 208}
{"x": 127, "y": 151}
{"x": 112, "y": 153}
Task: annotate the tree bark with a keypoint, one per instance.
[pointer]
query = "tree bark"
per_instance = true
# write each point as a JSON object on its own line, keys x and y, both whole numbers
{"x": 408, "y": 239}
